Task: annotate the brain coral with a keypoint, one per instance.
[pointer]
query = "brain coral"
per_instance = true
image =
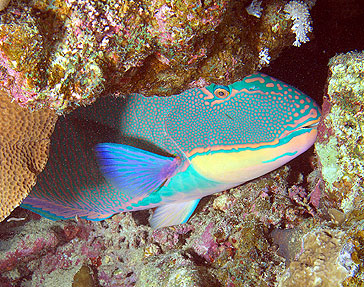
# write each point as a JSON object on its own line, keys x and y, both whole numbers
{"x": 3, "y": 4}
{"x": 24, "y": 141}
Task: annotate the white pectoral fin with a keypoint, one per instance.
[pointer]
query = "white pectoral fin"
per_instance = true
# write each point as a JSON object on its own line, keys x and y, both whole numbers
{"x": 173, "y": 213}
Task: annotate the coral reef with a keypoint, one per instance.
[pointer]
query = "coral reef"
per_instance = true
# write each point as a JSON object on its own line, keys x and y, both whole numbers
{"x": 226, "y": 238}
{"x": 332, "y": 253}
{"x": 286, "y": 227}
{"x": 25, "y": 139}
{"x": 63, "y": 54}
{"x": 292, "y": 225}
{"x": 340, "y": 145}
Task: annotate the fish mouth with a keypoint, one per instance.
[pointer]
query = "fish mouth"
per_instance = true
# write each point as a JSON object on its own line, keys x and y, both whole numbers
{"x": 304, "y": 127}
{"x": 311, "y": 124}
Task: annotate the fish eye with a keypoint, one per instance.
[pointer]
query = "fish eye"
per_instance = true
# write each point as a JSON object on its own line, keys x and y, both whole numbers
{"x": 221, "y": 93}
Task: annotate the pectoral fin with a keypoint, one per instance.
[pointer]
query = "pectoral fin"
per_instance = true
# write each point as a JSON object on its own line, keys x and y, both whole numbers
{"x": 173, "y": 213}
{"x": 135, "y": 172}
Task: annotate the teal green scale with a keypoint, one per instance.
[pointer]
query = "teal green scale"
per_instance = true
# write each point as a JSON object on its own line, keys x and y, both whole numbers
{"x": 143, "y": 152}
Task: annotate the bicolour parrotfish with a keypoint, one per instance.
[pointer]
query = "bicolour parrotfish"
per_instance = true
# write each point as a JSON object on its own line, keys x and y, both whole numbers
{"x": 169, "y": 152}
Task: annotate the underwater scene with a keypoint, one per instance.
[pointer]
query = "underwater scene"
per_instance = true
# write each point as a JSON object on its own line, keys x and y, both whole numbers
{"x": 181, "y": 143}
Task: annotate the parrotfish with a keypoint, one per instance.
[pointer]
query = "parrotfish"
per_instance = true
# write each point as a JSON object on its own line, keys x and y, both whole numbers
{"x": 169, "y": 152}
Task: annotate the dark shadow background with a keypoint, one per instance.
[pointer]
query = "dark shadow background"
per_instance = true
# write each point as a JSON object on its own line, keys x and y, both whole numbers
{"x": 338, "y": 27}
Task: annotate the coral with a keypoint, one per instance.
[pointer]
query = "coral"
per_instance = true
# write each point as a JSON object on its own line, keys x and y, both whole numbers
{"x": 299, "y": 13}
{"x": 340, "y": 145}
{"x": 325, "y": 260}
{"x": 255, "y": 9}
{"x": 4, "y": 4}
{"x": 181, "y": 271}
{"x": 264, "y": 57}
{"x": 63, "y": 54}
{"x": 24, "y": 138}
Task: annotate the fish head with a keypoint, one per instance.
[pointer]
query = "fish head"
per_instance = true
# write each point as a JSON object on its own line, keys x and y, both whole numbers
{"x": 280, "y": 111}
{"x": 263, "y": 124}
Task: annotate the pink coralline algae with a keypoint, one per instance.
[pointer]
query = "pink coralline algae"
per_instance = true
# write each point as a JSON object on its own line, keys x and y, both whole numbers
{"x": 26, "y": 250}
{"x": 172, "y": 237}
{"x": 207, "y": 247}
{"x": 211, "y": 248}
{"x": 15, "y": 82}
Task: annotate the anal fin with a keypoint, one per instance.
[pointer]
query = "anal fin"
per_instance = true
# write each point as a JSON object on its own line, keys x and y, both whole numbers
{"x": 173, "y": 213}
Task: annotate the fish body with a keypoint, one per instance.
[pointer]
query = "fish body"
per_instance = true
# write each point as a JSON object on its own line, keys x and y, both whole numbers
{"x": 170, "y": 152}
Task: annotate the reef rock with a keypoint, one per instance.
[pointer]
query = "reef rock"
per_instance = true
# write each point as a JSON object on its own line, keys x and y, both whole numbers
{"x": 332, "y": 249}
{"x": 62, "y": 54}
{"x": 340, "y": 144}
{"x": 325, "y": 261}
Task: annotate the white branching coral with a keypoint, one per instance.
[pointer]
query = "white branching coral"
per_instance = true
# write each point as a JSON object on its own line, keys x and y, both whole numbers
{"x": 264, "y": 58}
{"x": 254, "y": 8}
{"x": 299, "y": 13}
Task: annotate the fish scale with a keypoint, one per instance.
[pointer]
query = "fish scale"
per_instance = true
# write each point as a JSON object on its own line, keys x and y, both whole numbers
{"x": 143, "y": 152}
